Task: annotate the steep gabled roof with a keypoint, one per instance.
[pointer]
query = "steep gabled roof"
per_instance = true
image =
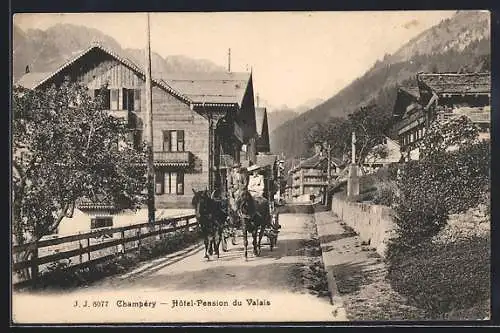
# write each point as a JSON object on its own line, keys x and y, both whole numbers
{"x": 260, "y": 115}
{"x": 411, "y": 90}
{"x": 452, "y": 83}
{"x": 34, "y": 80}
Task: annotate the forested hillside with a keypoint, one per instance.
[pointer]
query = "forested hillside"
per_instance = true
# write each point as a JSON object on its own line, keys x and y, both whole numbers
{"x": 461, "y": 43}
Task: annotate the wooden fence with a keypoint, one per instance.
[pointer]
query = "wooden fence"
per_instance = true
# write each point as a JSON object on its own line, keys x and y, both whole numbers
{"x": 87, "y": 249}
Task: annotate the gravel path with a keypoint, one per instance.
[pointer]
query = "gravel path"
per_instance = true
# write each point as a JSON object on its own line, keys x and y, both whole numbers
{"x": 184, "y": 287}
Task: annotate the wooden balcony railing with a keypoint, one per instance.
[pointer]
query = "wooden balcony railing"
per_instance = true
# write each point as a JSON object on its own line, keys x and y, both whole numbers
{"x": 173, "y": 158}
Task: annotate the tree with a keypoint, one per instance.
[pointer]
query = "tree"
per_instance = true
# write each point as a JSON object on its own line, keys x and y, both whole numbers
{"x": 369, "y": 123}
{"x": 65, "y": 148}
{"x": 453, "y": 133}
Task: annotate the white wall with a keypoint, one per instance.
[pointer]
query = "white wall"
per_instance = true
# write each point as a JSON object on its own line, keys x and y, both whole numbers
{"x": 80, "y": 222}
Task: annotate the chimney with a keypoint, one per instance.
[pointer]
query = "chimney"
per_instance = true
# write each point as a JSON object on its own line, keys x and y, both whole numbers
{"x": 229, "y": 61}
{"x": 27, "y": 70}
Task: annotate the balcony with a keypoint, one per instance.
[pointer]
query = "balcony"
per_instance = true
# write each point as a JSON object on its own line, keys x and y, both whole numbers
{"x": 173, "y": 158}
{"x": 120, "y": 114}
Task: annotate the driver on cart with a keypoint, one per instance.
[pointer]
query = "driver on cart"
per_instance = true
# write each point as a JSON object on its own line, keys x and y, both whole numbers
{"x": 257, "y": 186}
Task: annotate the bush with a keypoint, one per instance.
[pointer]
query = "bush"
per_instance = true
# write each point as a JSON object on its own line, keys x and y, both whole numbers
{"x": 443, "y": 278}
{"x": 440, "y": 184}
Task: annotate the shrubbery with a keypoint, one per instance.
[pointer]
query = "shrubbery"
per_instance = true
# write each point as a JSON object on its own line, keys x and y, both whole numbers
{"x": 440, "y": 184}
{"x": 443, "y": 278}
{"x": 449, "y": 277}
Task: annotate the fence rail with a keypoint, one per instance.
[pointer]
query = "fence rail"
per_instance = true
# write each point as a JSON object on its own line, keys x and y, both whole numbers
{"x": 72, "y": 246}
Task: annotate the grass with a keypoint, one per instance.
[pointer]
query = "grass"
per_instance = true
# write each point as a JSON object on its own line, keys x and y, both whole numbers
{"x": 448, "y": 281}
{"x": 60, "y": 277}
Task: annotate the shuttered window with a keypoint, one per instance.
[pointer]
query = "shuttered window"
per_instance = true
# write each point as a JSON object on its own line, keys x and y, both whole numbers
{"x": 169, "y": 182}
{"x": 114, "y": 96}
{"x": 101, "y": 222}
{"x": 173, "y": 141}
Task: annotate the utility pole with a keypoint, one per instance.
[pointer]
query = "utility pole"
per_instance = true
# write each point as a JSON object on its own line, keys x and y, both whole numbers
{"x": 149, "y": 127}
{"x": 353, "y": 178}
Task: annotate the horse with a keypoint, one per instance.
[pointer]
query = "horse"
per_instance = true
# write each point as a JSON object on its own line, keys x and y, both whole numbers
{"x": 211, "y": 219}
{"x": 255, "y": 216}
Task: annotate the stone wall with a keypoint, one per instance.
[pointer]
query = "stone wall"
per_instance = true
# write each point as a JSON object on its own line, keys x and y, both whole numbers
{"x": 373, "y": 223}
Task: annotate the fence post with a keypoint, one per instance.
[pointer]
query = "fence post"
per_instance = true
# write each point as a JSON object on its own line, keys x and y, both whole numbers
{"x": 138, "y": 233}
{"x": 123, "y": 241}
{"x": 81, "y": 247}
{"x": 34, "y": 265}
{"x": 88, "y": 248}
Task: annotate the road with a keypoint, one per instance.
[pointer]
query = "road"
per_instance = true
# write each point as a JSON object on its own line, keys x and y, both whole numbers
{"x": 185, "y": 287}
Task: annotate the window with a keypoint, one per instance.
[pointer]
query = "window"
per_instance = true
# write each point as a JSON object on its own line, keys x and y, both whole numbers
{"x": 173, "y": 141}
{"x": 101, "y": 222}
{"x": 169, "y": 182}
{"x": 131, "y": 99}
{"x": 121, "y": 99}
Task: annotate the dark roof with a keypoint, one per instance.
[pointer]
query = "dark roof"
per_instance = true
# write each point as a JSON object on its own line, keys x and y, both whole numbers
{"x": 210, "y": 88}
{"x": 443, "y": 83}
{"x": 412, "y": 90}
{"x": 216, "y": 87}
{"x": 260, "y": 115}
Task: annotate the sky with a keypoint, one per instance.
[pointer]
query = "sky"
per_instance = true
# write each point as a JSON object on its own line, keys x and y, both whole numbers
{"x": 295, "y": 57}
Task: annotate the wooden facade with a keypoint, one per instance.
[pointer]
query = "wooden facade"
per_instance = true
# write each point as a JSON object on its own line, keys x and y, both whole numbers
{"x": 188, "y": 138}
{"x": 438, "y": 97}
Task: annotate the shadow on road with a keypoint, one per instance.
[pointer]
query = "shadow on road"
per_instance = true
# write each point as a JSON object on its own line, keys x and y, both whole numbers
{"x": 273, "y": 277}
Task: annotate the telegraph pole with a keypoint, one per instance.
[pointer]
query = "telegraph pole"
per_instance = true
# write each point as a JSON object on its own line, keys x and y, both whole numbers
{"x": 149, "y": 127}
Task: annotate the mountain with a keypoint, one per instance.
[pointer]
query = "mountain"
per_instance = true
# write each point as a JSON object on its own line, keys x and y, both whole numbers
{"x": 45, "y": 50}
{"x": 279, "y": 115}
{"x": 460, "y": 43}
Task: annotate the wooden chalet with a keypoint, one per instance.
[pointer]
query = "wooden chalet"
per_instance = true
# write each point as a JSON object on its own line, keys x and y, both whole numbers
{"x": 200, "y": 120}
{"x": 310, "y": 176}
{"x": 436, "y": 97}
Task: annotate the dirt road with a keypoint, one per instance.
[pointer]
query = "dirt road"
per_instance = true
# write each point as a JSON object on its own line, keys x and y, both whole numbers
{"x": 185, "y": 287}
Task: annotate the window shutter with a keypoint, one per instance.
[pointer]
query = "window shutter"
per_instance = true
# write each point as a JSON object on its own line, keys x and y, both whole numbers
{"x": 130, "y": 99}
{"x": 114, "y": 99}
{"x": 159, "y": 182}
{"x": 180, "y": 140}
{"x": 180, "y": 183}
{"x": 137, "y": 100}
{"x": 166, "y": 140}
{"x": 173, "y": 182}
{"x": 107, "y": 99}
{"x": 124, "y": 105}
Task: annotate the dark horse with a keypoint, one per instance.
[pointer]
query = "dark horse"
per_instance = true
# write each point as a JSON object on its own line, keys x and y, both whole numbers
{"x": 211, "y": 218}
{"x": 255, "y": 216}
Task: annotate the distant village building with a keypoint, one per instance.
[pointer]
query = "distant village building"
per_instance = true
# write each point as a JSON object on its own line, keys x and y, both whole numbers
{"x": 200, "y": 123}
{"x": 391, "y": 154}
{"x": 437, "y": 97}
{"x": 309, "y": 179}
